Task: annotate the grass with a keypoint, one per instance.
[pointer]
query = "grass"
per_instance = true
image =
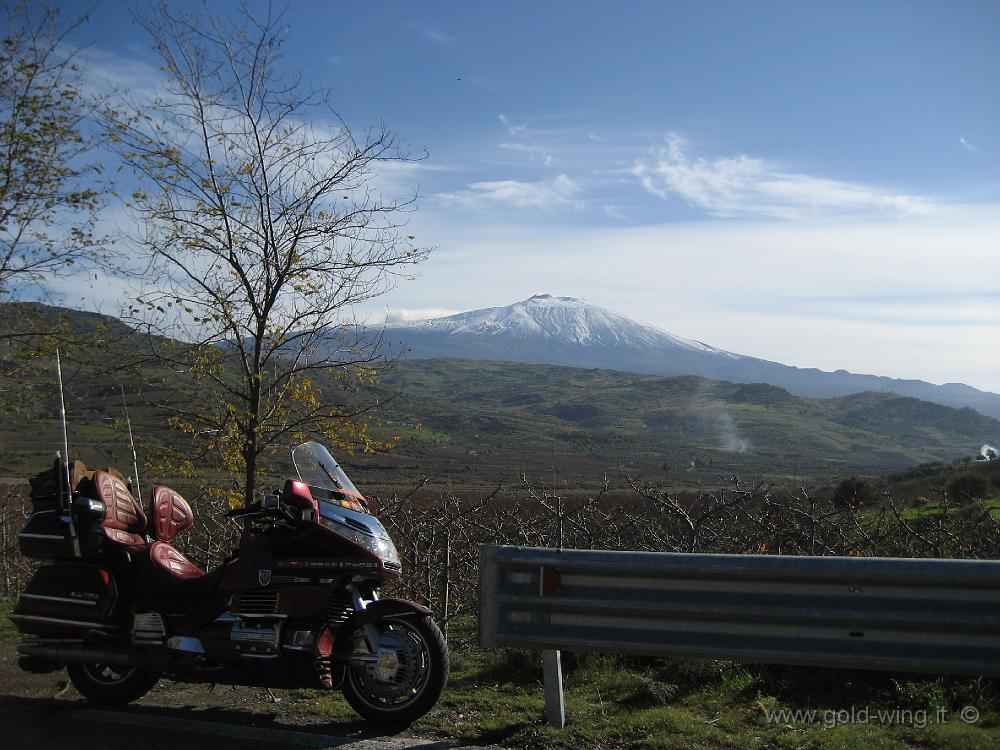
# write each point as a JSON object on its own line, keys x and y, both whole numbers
{"x": 934, "y": 508}
{"x": 7, "y": 629}
{"x": 637, "y": 702}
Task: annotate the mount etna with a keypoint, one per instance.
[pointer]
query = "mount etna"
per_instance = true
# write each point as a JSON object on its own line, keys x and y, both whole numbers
{"x": 545, "y": 329}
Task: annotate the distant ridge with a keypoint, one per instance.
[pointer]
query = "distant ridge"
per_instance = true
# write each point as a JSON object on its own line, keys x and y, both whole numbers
{"x": 547, "y": 329}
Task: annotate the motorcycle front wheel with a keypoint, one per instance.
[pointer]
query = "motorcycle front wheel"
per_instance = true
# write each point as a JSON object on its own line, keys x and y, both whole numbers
{"x": 111, "y": 686}
{"x": 405, "y": 678}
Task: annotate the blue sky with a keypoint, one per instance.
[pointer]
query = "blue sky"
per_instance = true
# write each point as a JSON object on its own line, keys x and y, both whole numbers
{"x": 814, "y": 183}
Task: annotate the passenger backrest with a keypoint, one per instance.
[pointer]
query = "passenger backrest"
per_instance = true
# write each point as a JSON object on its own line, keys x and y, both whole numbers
{"x": 124, "y": 520}
{"x": 171, "y": 513}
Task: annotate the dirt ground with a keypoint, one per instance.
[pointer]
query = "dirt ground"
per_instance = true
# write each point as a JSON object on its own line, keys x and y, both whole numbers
{"x": 38, "y": 712}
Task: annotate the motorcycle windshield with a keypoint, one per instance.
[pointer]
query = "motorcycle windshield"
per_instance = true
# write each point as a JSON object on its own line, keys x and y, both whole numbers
{"x": 317, "y": 468}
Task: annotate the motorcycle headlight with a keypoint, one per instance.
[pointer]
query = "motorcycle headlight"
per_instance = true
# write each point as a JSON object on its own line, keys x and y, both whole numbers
{"x": 381, "y": 548}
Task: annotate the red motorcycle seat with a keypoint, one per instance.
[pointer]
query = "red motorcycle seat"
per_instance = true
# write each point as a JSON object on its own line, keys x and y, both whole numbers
{"x": 171, "y": 513}
{"x": 173, "y": 562}
{"x": 124, "y": 521}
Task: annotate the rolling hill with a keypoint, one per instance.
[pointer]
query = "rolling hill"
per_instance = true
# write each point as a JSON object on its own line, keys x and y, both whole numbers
{"x": 466, "y": 419}
{"x": 567, "y": 331}
{"x": 470, "y": 423}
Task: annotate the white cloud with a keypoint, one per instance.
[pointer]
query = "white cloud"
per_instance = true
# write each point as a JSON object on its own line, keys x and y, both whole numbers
{"x": 433, "y": 33}
{"x": 515, "y": 131}
{"x": 97, "y": 291}
{"x": 558, "y": 193}
{"x": 404, "y": 315}
{"x": 402, "y": 179}
{"x": 966, "y": 145}
{"x": 534, "y": 151}
{"x": 742, "y": 186}
{"x": 614, "y": 212}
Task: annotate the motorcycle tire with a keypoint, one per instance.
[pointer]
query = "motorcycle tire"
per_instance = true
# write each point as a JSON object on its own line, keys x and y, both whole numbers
{"x": 421, "y": 672}
{"x": 111, "y": 686}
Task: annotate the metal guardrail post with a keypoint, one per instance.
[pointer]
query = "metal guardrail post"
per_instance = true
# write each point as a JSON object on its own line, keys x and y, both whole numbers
{"x": 555, "y": 704}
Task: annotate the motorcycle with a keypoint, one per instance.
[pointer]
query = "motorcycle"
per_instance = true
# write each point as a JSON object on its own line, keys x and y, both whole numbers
{"x": 296, "y": 605}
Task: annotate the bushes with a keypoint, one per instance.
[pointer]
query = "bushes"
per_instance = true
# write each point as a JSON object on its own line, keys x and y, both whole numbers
{"x": 854, "y": 492}
{"x": 969, "y": 486}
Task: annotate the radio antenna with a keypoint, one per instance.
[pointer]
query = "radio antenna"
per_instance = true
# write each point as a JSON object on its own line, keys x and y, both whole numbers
{"x": 135, "y": 462}
{"x": 62, "y": 414}
{"x": 65, "y": 473}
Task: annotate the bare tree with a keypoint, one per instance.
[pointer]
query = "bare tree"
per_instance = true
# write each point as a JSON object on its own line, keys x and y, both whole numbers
{"x": 261, "y": 231}
{"x": 48, "y": 192}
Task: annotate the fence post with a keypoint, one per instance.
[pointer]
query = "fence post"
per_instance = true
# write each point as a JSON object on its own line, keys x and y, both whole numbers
{"x": 555, "y": 705}
{"x": 446, "y": 596}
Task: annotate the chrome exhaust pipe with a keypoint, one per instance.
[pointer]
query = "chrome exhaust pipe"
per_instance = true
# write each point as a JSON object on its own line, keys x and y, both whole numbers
{"x": 76, "y": 655}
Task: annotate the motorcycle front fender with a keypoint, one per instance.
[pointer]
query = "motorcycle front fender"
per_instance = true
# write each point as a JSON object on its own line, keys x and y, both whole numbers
{"x": 388, "y": 609}
{"x": 383, "y": 609}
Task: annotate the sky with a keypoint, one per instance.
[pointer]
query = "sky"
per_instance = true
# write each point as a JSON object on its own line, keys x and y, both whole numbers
{"x": 815, "y": 183}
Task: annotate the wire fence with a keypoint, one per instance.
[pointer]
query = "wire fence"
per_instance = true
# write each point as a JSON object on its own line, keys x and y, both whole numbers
{"x": 438, "y": 534}
{"x": 439, "y": 539}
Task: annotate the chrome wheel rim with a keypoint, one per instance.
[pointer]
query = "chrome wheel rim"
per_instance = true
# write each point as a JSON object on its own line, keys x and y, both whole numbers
{"x": 106, "y": 674}
{"x": 399, "y": 674}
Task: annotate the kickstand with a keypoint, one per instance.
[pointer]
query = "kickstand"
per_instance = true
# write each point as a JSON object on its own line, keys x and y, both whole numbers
{"x": 62, "y": 687}
{"x": 274, "y": 698}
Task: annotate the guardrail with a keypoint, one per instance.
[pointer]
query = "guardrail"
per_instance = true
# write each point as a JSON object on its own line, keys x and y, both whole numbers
{"x": 923, "y": 615}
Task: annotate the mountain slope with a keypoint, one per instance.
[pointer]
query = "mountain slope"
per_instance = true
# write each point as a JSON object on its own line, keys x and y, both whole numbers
{"x": 472, "y": 423}
{"x": 467, "y": 422}
{"x": 567, "y": 331}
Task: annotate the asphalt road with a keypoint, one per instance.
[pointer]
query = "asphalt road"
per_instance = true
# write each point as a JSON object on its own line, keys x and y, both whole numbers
{"x": 38, "y": 712}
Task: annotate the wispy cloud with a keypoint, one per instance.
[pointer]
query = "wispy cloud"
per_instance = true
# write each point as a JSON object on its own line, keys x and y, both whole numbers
{"x": 614, "y": 212}
{"x": 743, "y": 186}
{"x": 336, "y": 60}
{"x": 534, "y": 151}
{"x": 966, "y": 145}
{"x": 515, "y": 131}
{"x": 107, "y": 72}
{"x": 403, "y": 179}
{"x": 558, "y": 193}
{"x": 524, "y": 142}
{"x": 406, "y": 314}
{"x": 433, "y": 33}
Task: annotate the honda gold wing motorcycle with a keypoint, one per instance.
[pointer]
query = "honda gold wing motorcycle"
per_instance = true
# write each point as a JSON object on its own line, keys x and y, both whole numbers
{"x": 296, "y": 605}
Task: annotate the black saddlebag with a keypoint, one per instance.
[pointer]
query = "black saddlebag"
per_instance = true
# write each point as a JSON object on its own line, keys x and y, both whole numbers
{"x": 66, "y": 599}
{"x": 46, "y": 536}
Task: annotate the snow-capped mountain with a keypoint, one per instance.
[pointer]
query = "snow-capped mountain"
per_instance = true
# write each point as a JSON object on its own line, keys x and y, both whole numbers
{"x": 545, "y": 329}
{"x": 561, "y": 319}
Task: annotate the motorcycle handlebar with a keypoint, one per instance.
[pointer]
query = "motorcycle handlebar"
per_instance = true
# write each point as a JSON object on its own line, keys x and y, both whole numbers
{"x": 256, "y": 510}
